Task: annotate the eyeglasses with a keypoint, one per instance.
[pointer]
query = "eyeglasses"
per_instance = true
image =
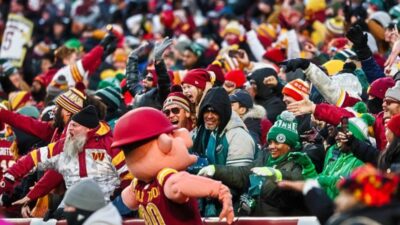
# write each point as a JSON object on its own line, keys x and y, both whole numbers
{"x": 174, "y": 110}
{"x": 389, "y": 101}
{"x": 148, "y": 78}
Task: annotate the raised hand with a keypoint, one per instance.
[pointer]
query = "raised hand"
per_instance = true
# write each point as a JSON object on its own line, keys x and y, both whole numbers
{"x": 159, "y": 48}
{"x": 293, "y": 64}
{"x": 301, "y": 107}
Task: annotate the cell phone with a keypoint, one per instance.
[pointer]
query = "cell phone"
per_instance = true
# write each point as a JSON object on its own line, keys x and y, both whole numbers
{"x": 234, "y": 53}
{"x": 344, "y": 124}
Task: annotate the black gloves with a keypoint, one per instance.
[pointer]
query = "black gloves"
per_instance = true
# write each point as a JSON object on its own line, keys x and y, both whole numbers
{"x": 293, "y": 64}
{"x": 109, "y": 43}
{"x": 360, "y": 40}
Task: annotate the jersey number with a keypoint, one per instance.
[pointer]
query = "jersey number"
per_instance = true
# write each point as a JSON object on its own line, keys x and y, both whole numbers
{"x": 151, "y": 215}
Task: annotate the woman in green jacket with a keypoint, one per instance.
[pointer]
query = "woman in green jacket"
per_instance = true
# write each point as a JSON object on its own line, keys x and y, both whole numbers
{"x": 259, "y": 181}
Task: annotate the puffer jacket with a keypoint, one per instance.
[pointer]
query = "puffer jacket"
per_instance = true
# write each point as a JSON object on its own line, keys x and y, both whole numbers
{"x": 252, "y": 120}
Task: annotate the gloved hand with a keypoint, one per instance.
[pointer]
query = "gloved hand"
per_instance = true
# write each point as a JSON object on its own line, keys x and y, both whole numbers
{"x": 301, "y": 158}
{"x": 268, "y": 172}
{"x": 207, "y": 171}
{"x": 359, "y": 40}
{"x": 293, "y": 64}
{"x": 135, "y": 53}
{"x": 160, "y": 47}
{"x": 305, "y": 162}
{"x": 108, "y": 39}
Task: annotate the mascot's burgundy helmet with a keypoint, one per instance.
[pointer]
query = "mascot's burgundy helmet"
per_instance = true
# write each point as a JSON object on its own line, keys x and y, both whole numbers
{"x": 140, "y": 124}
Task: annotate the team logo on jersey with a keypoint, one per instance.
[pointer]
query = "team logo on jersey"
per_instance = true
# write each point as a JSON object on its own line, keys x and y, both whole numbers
{"x": 98, "y": 156}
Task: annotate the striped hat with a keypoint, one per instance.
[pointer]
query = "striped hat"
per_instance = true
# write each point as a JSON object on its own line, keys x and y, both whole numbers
{"x": 335, "y": 26}
{"x": 179, "y": 99}
{"x": 72, "y": 100}
{"x": 18, "y": 99}
{"x": 110, "y": 96}
{"x": 344, "y": 54}
{"x": 296, "y": 89}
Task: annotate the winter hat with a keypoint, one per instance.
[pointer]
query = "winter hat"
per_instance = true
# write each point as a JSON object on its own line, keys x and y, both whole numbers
{"x": 333, "y": 66}
{"x": 236, "y": 76}
{"x": 359, "y": 125}
{"x": 275, "y": 55}
{"x": 87, "y": 117}
{"x": 48, "y": 113}
{"x": 383, "y": 18}
{"x": 335, "y": 26}
{"x": 296, "y": 89}
{"x": 196, "y": 48}
{"x": 57, "y": 86}
{"x": 393, "y": 92}
{"x": 86, "y": 195}
{"x": 284, "y": 130}
{"x": 72, "y": 100}
{"x": 110, "y": 96}
{"x": 370, "y": 186}
{"x": 344, "y": 54}
{"x": 177, "y": 98}
{"x": 74, "y": 43}
{"x": 243, "y": 98}
{"x": 395, "y": 11}
{"x": 379, "y": 87}
{"x": 394, "y": 125}
{"x": 267, "y": 30}
{"x": 30, "y": 111}
{"x": 197, "y": 78}
{"x": 232, "y": 27}
{"x": 19, "y": 99}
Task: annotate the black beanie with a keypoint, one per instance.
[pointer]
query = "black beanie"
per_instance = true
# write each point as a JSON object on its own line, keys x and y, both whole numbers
{"x": 87, "y": 117}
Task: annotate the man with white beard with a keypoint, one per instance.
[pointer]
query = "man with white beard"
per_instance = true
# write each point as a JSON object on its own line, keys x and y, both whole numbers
{"x": 85, "y": 152}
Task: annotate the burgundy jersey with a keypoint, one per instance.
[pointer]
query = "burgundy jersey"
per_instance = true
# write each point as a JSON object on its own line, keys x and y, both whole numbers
{"x": 156, "y": 209}
{"x": 6, "y": 156}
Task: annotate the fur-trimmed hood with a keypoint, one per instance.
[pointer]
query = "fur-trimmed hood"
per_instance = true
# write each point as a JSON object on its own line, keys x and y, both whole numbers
{"x": 257, "y": 112}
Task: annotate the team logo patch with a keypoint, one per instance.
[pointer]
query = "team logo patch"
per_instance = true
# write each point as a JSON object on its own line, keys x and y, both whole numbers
{"x": 281, "y": 138}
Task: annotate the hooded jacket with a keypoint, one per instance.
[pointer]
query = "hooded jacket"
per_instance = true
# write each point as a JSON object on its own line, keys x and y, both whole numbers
{"x": 252, "y": 120}
{"x": 269, "y": 98}
{"x": 230, "y": 144}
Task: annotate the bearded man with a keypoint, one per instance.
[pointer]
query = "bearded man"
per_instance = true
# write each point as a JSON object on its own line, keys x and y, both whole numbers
{"x": 85, "y": 152}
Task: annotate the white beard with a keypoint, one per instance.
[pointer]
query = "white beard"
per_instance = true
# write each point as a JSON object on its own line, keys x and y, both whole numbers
{"x": 74, "y": 146}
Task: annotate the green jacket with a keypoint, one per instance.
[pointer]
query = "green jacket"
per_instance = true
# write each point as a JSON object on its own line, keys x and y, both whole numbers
{"x": 273, "y": 201}
{"x": 337, "y": 164}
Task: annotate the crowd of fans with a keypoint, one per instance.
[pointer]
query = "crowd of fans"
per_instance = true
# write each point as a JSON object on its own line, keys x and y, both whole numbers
{"x": 294, "y": 105}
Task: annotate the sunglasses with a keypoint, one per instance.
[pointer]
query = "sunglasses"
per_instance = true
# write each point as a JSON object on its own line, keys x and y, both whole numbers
{"x": 174, "y": 110}
{"x": 148, "y": 78}
{"x": 390, "y": 101}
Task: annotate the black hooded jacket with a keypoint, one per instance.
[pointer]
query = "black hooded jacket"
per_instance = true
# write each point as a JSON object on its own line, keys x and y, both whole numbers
{"x": 218, "y": 99}
{"x": 269, "y": 98}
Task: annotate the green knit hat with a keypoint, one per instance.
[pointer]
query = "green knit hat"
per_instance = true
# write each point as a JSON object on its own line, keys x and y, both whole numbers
{"x": 74, "y": 43}
{"x": 359, "y": 126}
{"x": 284, "y": 130}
